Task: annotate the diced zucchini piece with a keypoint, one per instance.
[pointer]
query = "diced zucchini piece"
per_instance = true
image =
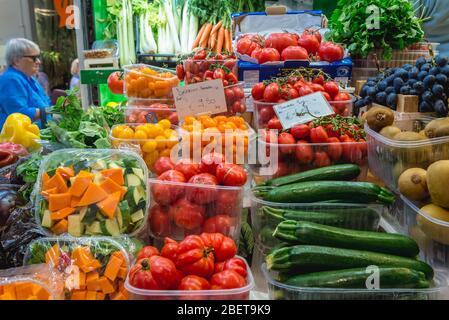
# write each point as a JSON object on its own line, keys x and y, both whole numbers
{"x": 110, "y": 228}
{"x": 133, "y": 180}
{"x": 76, "y": 228}
{"x": 129, "y": 196}
{"x": 139, "y": 173}
{"x": 136, "y": 217}
{"x": 46, "y": 220}
{"x": 125, "y": 215}
{"x": 118, "y": 216}
{"x": 72, "y": 180}
{"x": 100, "y": 165}
{"x": 98, "y": 179}
{"x": 91, "y": 215}
{"x": 94, "y": 228}
{"x": 83, "y": 212}
{"x": 113, "y": 165}
{"x": 138, "y": 195}
{"x": 100, "y": 217}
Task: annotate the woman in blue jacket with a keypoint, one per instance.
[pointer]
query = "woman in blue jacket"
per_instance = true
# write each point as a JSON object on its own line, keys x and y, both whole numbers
{"x": 20, "y": 92}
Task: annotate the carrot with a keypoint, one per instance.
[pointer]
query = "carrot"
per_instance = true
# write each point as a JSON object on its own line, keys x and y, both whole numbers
{"x": 217, "y": 27}
{"x": 198, "y": 37}
{"x": 213, "y": 41}
{"x": 220, "y": 40}
{"x": 206, "y": 34}
{"x": 226, "y": 41}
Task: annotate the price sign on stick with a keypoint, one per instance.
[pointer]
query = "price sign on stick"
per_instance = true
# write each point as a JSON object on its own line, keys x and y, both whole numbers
{"x": 200, "y": 98}
{"x": 302, "y": 110}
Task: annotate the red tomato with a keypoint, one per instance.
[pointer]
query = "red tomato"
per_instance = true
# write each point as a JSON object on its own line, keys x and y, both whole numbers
{"x": 115, "y": 82}
{"x": 232, "y": 79}
{"x": 363, "y": 147}
{"x": 304, "y": 91}
{"x": 351, "y": 151}
{"x": 310, "y": 43}
{"x": 345, "y": 99}
{"x": 219, "y": 266}
{"x": 244, "y": 46}
{"x": 321, "y": 160}
{"x": 173, "y": 118}
{"x": 159, "y": 222}
{"x": 188, "y": 168}
{"x": 170, "y": 249}
{"x": 210, "y": 162}
{"x": 147, "y": 252}
{"x": 238, "y": 107}
{"x": 289, "y": 94}
{"x": 265, "y": 113}
{"x": 224, "y": 247}
{"x": 318, "y": 135}
{"x": 304, "y": 152}
{"x": 294, "y": 53}
{"x": 269, "y": 136}
{"x": 334, "y": 150}
{"x": 272, "y": 93}
{"x": 204, "y": 194}
{"x": 268, "y": 55}
{"x": 166, "y": 193}
{"x": 219, "y": 224}
{"x": 186, "y": 214}
{"x": 180, "y": 72}
{"x": 227, "y": 279}
{"x": 288, "y": 140}
{"x": 154, "y": 273}
{"x": 332, "y": 88}
{"x": 196, "y": 283}
{"x": 162, "y": 165}
{"x": 331, "y": 52}
{"x": 275, "y": 124}
{"x": 195, "y": 257}
{"x": 231, "y": 175}
{"x": 300, "y": 131}
{"x": 200, "y": 55}
{"x": 331, "y": 132}
{"x": 280, "y": 41}
{"x": 239, "y": 93}
{"x": 314, "y": 32}
{"x": 318, "y": 80}
{"x": 327, "y": 96}
{"x": 256, "y": 53}
{"x": 238, "y": 265}
{"x": 219, "y": 74}
{"x": 228, "y": 202}
{"x": 317, "y": 87}
{"x": 282, "y": 170}
{"x": 298, "y": 85}
{"x": 258, "y": 90}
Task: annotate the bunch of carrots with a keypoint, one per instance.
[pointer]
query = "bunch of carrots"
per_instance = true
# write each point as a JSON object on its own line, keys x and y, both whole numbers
{"x": 216, "y": 37}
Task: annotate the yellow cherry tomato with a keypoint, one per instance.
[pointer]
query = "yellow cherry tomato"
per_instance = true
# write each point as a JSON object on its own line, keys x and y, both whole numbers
{"x": 189, "y": 120}
{"x": 166, "y": 124}
{"x": 127, "y": 134}
{"x": 149, "y": 146}
{"x": 140, "y": 135}
{"x": 161, "y": 142}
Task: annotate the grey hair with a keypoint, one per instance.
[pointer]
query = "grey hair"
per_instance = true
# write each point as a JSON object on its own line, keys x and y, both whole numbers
{"x": 17, "y": 48}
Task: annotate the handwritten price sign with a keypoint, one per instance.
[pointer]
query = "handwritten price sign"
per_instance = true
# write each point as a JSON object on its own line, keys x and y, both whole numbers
{"x": 302, "y": 110}
{"x": 200, "y": 98}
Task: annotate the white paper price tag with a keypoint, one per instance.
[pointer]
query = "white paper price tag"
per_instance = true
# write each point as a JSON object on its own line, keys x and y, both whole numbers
{"x": 303, "y": 110}
{"x": 200, "y": 98}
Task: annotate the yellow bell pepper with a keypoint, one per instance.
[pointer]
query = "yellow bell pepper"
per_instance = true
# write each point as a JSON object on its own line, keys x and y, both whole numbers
{"x": 19, "y": 129}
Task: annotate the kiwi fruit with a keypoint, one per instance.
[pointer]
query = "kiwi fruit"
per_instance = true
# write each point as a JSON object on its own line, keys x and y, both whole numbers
{"x": 379, "y": 118}
{"x": 390, "y": 131}
{"x": 413, "y": 154}
{"x": 442, "y": 131}
{"x": 433, "y": 126}
{"x": 438, "y": 182}
{"x": 413, "y": 184}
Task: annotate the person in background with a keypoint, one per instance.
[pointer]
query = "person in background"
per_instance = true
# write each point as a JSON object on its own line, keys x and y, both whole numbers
{"x": 436, "y": 26}
{"x": 20, "y": 92}
{"x": 75, "y": 70}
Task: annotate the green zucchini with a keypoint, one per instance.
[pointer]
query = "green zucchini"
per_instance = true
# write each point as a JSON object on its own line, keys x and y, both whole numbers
{"x": 346, "y": 217}
{"x": 401, "y": 278}
{"x": 339, "y": 172}
{"x": 306, "y": 259}
{"x": 315, "y": 191}
{"x": 308, "y": 233}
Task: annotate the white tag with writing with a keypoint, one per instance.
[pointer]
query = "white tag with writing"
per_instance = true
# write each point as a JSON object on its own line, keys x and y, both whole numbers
{"x": 303, "y": 110}
{"x": 200, "y": 98}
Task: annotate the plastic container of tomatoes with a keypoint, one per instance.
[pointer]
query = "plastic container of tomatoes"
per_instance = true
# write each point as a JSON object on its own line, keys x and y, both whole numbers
{"x": 264, "y": 111}
{"x": 286, "y": 159}
{"x": 388, "y": 158}
{"x": 265, "y": 217}
{"x": 150, "y": 115}
{"x": 145, "y": 81}
{"x": 182, "y": 209}
{"x": 224, "y": 294}
{"x": 203, "y": 70}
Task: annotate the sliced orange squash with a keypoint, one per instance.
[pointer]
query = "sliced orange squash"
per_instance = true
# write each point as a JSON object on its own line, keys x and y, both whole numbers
{"x": 45, "y": 180}
{"x": 59, "y": 201}
{"x": 93, "y": 194}
{"x": 74, "y": 202}
{"x": 61, "y": 227}
{"x": 115, "y": 174}
{"x": 46, "y": 194}
{"x": 66, "y": 172}
{"x": 78, "y": 295}
{"x": 108, "y": 206}
{"x": 62, "y": 214}
{"x": 80, "y": 185}
{"x": 52, "y": 255}
{"x": 111, "y": 187}
{"x": 113, "y": 268}
{"x": 57, "y": 182}
{"x": 106, "y": 285}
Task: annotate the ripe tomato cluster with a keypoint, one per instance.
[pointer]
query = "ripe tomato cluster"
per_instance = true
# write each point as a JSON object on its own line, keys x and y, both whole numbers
{"x": 200, "y": 262}
{"x": 190, "y": 198}
{"x": 151, "y": 113}
{"x": 147, "y": 82}
{"x": 321, "y": 143}
{"x": 268, "y": 93}
{"x": 289, "y": 46}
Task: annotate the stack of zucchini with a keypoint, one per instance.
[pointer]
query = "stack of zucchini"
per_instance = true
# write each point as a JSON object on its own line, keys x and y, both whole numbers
{"x": 321, "y": 256}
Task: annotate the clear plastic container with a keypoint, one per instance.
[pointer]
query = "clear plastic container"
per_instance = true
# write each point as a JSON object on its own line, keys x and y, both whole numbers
{"x": 264, "y": 111}
{"x": 150, "y": 111}
{"x": 37, "y": 282}
{"x": 150, "y": 149}
{"x": 279, "y": 291}
{"x": 288, "y": 163}
{"x": 145, "y": 81}
{"x": 431, "y": 234}
{"x": 110, "y": 265}
{"x": 265, "y": 217}
{"x": 182, "y": 209}
{"x": 195, "y": 69}
{"x": 109, "y": 198}
{"x": 388, "y": 159}
{"x": 230, "y": 294}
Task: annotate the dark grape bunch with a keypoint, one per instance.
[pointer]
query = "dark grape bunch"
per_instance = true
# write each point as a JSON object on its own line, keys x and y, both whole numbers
{"x": 428, "y": 79}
